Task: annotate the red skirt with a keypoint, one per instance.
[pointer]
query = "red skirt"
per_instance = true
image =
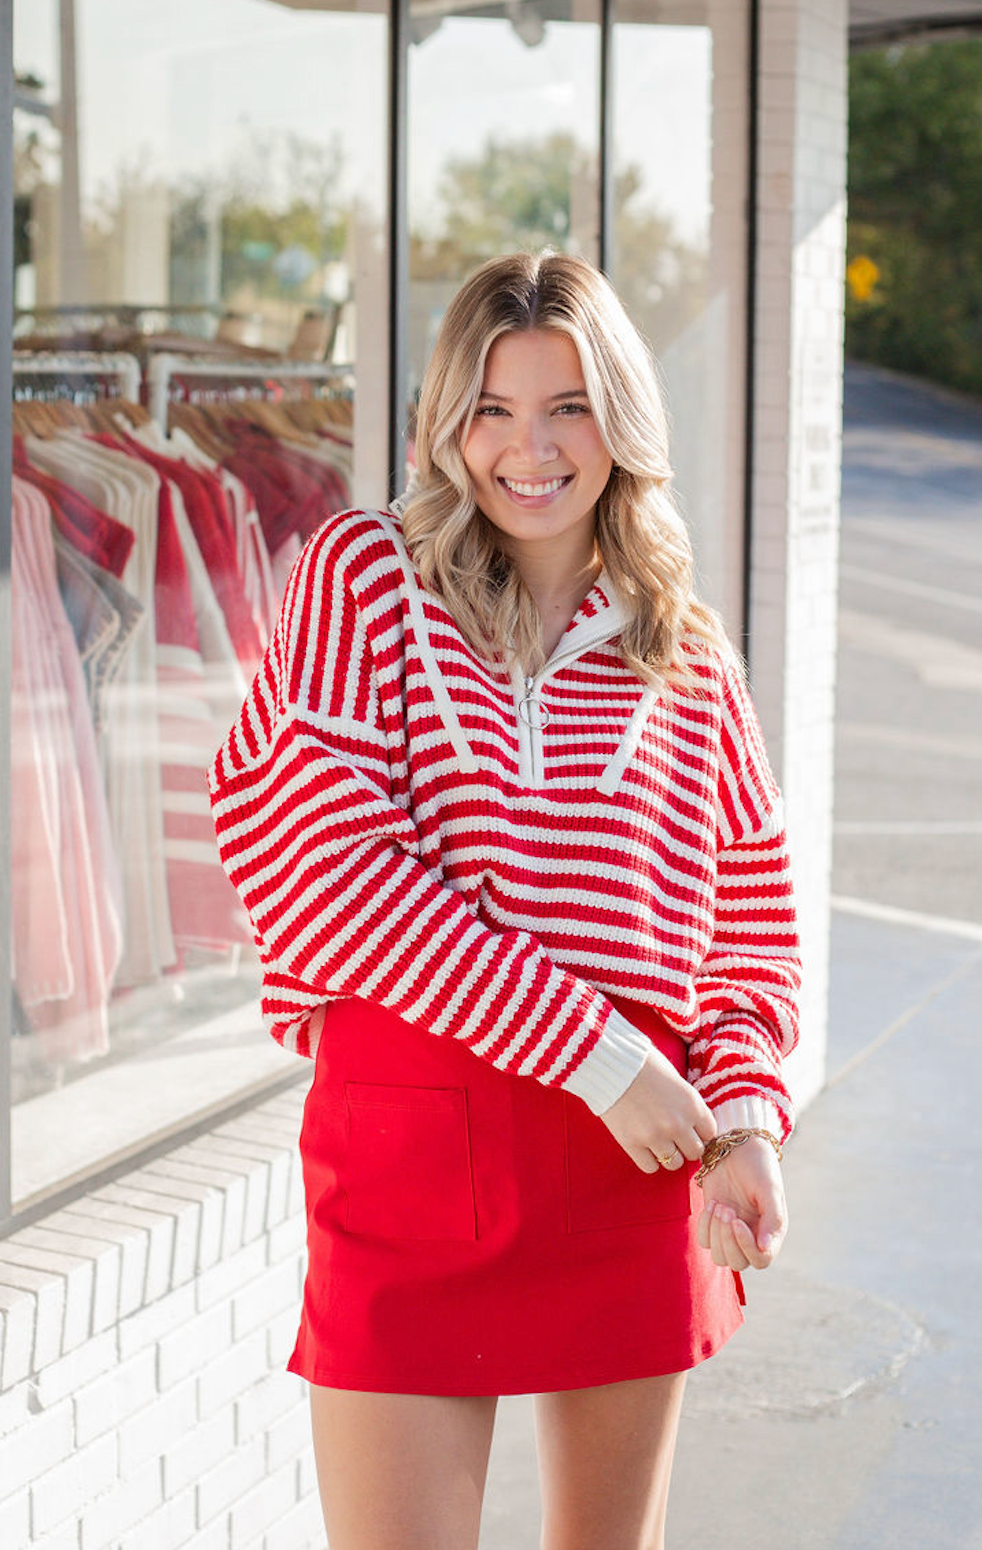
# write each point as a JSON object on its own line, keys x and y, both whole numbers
{"x": 471, "y": 1232}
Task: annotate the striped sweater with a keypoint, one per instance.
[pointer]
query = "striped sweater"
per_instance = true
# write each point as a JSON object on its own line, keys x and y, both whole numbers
{"x": 494, "y": 857}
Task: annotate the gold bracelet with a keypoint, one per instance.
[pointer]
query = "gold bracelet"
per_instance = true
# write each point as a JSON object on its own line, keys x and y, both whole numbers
{"x": 722, "y": 1146}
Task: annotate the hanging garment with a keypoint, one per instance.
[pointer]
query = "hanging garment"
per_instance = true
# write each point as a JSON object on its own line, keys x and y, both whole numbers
{"x": 129, "y": 491}
{"x": 66, "y": 895}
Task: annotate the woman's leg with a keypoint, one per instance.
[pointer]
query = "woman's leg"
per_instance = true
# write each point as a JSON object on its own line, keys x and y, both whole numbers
{"x": 401, "y": 1471}
{"x": 605, "y": 1462}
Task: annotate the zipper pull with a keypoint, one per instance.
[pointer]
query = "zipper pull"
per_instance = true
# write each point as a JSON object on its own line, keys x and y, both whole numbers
{"x": 532, "y": 710}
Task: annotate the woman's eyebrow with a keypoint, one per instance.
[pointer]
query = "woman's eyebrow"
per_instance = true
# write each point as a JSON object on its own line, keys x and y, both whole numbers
{"x": 502, "y": 398}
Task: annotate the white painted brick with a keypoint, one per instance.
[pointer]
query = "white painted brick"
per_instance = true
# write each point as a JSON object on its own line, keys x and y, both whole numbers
{"x": 187, "y": 1350}
{"x": 158, "y": 1426}
{"x": 104, "y": 1255}
{"x": 15, "y": 1520}
{"x": 19, "y": 1316}
{"x": 259, "y": 1303}
{"x": 105, "y": 1521}
{"x": 306, "y": 1474}
{"x": 263, "y": 1124}
{"x": 255, "y": 1177}
{"x": 70, "y": 1373}
{"x": 150, "y": 1324}
{"x": 263, "y": 1404}
{"x": 65, "y": 1537}
{"x": 110, "y": 1401}
{"x": 66, "y": 1489}
{"x": 281, "y": 1337}
{"x": 169, "y": 1526}
{"x": 186, "y": 1164}
{"x": 16, "y": 1408}
{"x": 301, "y": 1529}
{"x": 202, "y": 1449}
{"x": 214, "y": 1537}
{"x": 229, "y": 1481}
{"x": 133, "y": 1247}
{"x": 41, "y": 1443}
{"x": 158, "y": 1176}
{"x": 181, "y": 1218}
{"x": 224, "y": 1279}
{"x": 158, "y": 1231}
{"x": 230, "y": 1375}
{"x": 286, "y": 1240}
{"x": 289, "y": 1438}
{"x": 78, "y": 1277}
{"x": 261, "y": 1507}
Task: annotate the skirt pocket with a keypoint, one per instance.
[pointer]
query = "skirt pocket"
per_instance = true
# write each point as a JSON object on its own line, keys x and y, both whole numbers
{"x": 604, "y": 1188}
{"x": 407, "y": 1171}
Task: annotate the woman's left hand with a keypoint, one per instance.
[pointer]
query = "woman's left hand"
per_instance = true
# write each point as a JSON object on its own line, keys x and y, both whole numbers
{"x": 745, "y": 1217}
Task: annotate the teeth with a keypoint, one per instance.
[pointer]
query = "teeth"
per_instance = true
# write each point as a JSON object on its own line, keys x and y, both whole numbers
{"x": 520, "y": 487}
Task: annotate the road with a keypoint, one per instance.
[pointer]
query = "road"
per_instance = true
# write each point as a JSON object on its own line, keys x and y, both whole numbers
{"x": 908, "y": 793}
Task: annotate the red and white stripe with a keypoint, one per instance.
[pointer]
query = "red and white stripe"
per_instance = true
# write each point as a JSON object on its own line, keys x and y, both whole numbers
{"x": 376, "y": 812}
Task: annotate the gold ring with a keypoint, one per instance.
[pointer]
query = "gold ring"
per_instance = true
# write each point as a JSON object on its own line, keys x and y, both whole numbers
{"x": 668, "y": 1157}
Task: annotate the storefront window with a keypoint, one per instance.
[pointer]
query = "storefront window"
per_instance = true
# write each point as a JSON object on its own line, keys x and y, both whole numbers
{"x": 680, "y": 239}
{"x": 200, "y": 289}
{"x": 504, "y": 128}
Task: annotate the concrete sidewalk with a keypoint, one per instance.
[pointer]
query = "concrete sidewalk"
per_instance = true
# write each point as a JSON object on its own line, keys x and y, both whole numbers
{"x": 847, "y": 1414}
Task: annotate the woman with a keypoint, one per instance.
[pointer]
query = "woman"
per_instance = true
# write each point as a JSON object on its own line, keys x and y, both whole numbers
{"x": 501, "y": 815}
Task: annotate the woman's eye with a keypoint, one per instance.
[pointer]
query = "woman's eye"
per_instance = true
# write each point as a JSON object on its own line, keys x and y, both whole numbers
{"x": 488, "y": 411}
{"x": 572, "y": 408}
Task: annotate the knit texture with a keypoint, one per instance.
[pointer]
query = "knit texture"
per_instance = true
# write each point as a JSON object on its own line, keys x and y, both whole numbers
{"x": 403, "y": 828}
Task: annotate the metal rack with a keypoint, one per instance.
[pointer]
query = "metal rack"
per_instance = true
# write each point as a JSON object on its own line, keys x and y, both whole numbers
{"x": 91, "y": 366}
{"x": 234, "y": 380}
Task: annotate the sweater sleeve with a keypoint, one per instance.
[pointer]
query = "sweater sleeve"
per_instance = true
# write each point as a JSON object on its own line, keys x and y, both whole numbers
{"x": 313, "y": 835}
{"x": 747, "y": 986}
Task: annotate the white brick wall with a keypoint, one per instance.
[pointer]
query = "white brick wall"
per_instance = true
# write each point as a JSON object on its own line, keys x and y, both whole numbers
{"x": 143, "y": 1335}
{"x": 797, "y": 449}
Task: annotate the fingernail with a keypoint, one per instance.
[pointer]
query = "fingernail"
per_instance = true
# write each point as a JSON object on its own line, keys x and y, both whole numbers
{"x": 766, "y": 1242}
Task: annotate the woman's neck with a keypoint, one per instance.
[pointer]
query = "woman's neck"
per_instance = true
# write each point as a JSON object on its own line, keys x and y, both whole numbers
{"x": 557, "y": 593}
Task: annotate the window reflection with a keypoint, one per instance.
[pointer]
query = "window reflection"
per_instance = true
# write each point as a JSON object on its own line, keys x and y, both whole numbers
{"x": 679, "y": 260}
{"x": 200, "y": 282}
{"x": 503, "y": 142}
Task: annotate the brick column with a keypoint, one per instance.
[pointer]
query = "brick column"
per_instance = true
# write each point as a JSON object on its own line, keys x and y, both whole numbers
{"x": 800, "y": 203}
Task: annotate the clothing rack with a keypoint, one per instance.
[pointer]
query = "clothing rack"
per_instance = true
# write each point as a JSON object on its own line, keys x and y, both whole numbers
{"x": 121, "y": 369}
{"x": 234, "y": 380}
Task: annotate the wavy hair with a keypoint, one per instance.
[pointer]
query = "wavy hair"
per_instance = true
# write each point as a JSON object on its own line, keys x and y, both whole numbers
{"x": 642, "y": 540}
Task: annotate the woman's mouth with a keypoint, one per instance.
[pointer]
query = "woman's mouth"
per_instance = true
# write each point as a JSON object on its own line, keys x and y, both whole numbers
{"x": 535, "y": 489}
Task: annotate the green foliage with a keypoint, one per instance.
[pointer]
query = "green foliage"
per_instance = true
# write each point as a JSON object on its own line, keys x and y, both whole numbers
{"x": 915, "y": 209}
{"x": 519, "y": 194}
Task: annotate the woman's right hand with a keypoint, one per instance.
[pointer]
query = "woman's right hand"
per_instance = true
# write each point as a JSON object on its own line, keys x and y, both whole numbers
{"x": 660, "y": 1120}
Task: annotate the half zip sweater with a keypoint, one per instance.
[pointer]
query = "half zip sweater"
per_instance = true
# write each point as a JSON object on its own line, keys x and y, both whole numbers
{"x": 493, "y": 855}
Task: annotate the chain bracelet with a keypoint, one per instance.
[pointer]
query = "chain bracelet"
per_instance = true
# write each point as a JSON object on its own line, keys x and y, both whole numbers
{"x": 722, "y": 1146}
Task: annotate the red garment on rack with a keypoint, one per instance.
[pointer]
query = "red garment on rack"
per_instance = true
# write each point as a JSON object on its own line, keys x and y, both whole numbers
{"x": 294, "y": 494}
{"x": 92, "y": 532}
{"x": 205, "y": 910}
{"x": 204, "y": 502}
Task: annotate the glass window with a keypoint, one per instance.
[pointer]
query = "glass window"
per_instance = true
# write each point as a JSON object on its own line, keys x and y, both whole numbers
{"x": 200, "y": 287}
{"x": 504, "y": 126}
{"x": 680, "y": 190}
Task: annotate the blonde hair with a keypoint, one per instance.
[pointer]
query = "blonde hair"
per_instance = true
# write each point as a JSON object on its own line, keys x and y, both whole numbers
{"x": 642, "y": 540}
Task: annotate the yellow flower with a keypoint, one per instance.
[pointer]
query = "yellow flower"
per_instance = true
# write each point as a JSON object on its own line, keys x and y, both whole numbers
{"x": 862, "y": 274}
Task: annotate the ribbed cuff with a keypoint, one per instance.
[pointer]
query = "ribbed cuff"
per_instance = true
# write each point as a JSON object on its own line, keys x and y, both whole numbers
{"x": 750, "y": 1114}
{"x": 611, "y": 1066}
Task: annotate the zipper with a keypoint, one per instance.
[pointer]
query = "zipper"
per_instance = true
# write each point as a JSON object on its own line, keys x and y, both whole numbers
{"x": 533, "y": 718}
{"x": 532, "y": 715}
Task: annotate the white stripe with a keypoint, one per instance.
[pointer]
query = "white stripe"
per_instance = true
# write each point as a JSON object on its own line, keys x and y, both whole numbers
{"x": 448, "y": 715}
{"x": 872, "y": 578}
{"x": 193, "y": 802}
{"x": 945, "y": 925}
{"x": 929, "y": 827}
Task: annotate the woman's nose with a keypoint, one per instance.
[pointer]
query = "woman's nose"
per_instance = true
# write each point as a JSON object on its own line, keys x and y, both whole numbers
{"x": 535, "y": 440}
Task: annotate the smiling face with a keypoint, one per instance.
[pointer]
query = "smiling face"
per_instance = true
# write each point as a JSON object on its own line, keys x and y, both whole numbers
{"x": 534, "y": 451}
